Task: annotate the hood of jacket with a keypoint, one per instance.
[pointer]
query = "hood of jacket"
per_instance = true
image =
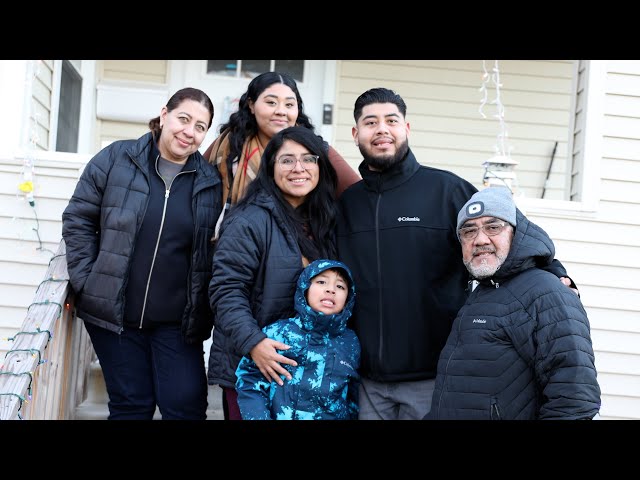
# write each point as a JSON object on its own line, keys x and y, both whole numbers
{"x": 333, "y": 324}
{"x": 531, "y": 247}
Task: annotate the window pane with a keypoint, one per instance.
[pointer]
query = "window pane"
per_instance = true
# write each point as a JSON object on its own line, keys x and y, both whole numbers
{"x": 222, "y": 67}
{"x": 69, "y": 113}
{"x": 253, "y": 68}
{"x": 295, "y": 68}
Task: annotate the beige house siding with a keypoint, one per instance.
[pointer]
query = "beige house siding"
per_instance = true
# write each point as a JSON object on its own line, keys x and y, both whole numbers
{"x": 128, "y": 72}
{"x": 447, "y": 129}
{"x": 111, "y": 131}
{"x": 40, "y": 115}
{"x": 149, "y": 71}
{"x": 614, "y": 286}
{"x": 23, "y": 259}
{"x": 602, "y": 251}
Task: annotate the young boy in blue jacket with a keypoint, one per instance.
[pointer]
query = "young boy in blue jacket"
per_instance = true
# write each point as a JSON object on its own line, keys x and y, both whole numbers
{"x": 324, "y": 384}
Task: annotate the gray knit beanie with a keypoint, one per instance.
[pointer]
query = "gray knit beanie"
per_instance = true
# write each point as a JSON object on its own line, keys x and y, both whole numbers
{"x": 490, "y": 202}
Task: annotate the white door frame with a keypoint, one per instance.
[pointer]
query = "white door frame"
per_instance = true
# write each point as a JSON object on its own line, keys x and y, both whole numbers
{"x": 319, "y": 88}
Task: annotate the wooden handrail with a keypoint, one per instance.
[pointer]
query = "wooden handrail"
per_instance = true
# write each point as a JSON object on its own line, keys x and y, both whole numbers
{"x": 44, "y": 375}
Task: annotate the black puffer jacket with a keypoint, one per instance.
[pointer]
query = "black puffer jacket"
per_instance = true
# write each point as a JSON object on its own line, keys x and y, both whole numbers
{"x": 255, "y": 269}
{"x": 101, "y": 226}
{"x": 520, "y": 347}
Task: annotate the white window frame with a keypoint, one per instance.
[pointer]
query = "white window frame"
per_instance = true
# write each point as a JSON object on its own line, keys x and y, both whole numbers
{"x": 587, "y": 208}
{"x": 272, "y": 66}
{"x": 87, "y": 122}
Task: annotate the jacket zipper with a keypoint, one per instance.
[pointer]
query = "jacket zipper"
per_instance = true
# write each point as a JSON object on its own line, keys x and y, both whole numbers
{"x": 381, "y": 314}
{"x": 155, "y": 252}
{"x": 495, "y": 411}
{"x": 446, "y": 370}
{"x": 138, "y": 226}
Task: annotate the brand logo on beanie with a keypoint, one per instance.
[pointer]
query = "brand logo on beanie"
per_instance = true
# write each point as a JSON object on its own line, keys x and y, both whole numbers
{"x": 475, "y": 209}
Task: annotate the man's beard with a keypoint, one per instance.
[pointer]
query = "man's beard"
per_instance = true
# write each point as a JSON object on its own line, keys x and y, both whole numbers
{"x": 382, "y": 162}
{"x": 484, "y": 270}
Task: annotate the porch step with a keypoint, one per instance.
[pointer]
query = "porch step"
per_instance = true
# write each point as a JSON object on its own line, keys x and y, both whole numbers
{"x": 95, "y": 406}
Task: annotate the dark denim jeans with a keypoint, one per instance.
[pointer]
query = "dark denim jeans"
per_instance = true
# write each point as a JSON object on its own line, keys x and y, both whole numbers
{"x": 145, "y": 368}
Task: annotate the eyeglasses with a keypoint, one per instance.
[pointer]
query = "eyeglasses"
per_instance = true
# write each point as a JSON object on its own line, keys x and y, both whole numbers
{"x": 288, "y": 162}
{"x": 489, "y": 229}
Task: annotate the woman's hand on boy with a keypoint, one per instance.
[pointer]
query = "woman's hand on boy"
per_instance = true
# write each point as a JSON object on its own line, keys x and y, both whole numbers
{"x": 266, "y": 357}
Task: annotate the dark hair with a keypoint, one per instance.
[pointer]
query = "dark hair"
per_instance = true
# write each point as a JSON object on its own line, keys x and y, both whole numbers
{"x": 176, "y": 99}
{"x": 318, "y": 212}
{"x": 378, "y": 95}
{"x": 339, "y": 271}
{"x": 242, "y": 124}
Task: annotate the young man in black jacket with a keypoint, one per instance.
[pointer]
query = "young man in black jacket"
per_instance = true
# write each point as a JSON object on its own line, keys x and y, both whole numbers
{"x": 397, "y": 232}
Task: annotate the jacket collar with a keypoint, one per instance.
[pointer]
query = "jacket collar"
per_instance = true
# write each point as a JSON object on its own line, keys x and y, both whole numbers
{"x": 144, "y": 152}
{"x": 391, "y": 177}
{"x": 141, "y": 150}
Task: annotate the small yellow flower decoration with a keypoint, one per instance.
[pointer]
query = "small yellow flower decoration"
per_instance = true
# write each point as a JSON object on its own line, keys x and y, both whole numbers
{"x": 26, "y": 187}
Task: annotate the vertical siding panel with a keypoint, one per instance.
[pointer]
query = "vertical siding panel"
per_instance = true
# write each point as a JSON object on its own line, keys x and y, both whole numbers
{"x": 40, "y": 114}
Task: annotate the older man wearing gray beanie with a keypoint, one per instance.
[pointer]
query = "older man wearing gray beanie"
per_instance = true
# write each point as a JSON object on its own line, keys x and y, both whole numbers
{"x": 491, "y": 204}
{"x": 520, "y": 347}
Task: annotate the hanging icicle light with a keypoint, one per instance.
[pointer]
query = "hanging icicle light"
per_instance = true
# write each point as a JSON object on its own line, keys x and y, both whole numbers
{"x": 26, "y": 185}
{"x": 499, "y": 169}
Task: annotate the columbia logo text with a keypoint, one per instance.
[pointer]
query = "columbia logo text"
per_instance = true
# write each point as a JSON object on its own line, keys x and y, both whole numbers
{"x": 408, "y": 219}
{"x": 479, "y": 320}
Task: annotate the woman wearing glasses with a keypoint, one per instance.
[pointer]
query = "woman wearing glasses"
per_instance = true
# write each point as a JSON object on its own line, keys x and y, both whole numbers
{"x": 285, "y": 221}
{"x": 271, "y": 103}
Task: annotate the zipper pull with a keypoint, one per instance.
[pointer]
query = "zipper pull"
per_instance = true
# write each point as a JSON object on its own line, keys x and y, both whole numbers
{"x": 166, "y": 193}
{"x": 494, "y": 408}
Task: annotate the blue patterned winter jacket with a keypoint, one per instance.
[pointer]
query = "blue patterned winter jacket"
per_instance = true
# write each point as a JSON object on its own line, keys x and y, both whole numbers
{"x": 325, "y": 382}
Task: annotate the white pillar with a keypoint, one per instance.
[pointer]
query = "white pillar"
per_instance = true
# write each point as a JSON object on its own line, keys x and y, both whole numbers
{"x": 329, "y": 98}
{"x": 594, "y": 113}
{"x": 87, "y": 142}
{"x": 15, "y": 98}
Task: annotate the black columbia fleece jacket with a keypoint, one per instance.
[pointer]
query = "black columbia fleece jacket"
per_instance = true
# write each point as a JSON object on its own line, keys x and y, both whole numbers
{"x": 397, "y": 232}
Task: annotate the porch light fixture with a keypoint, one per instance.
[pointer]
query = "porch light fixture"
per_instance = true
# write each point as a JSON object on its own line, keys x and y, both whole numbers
{"x": 499, "y": 172}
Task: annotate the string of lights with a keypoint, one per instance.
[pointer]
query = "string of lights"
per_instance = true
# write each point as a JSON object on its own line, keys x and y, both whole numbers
{"x": 27, "y": 184}
{"x": 20, "y": 367}
{"x": 499, "y": 167}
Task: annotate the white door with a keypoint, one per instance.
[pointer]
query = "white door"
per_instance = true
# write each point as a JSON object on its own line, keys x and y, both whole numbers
{"x": 225, "y": 91}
